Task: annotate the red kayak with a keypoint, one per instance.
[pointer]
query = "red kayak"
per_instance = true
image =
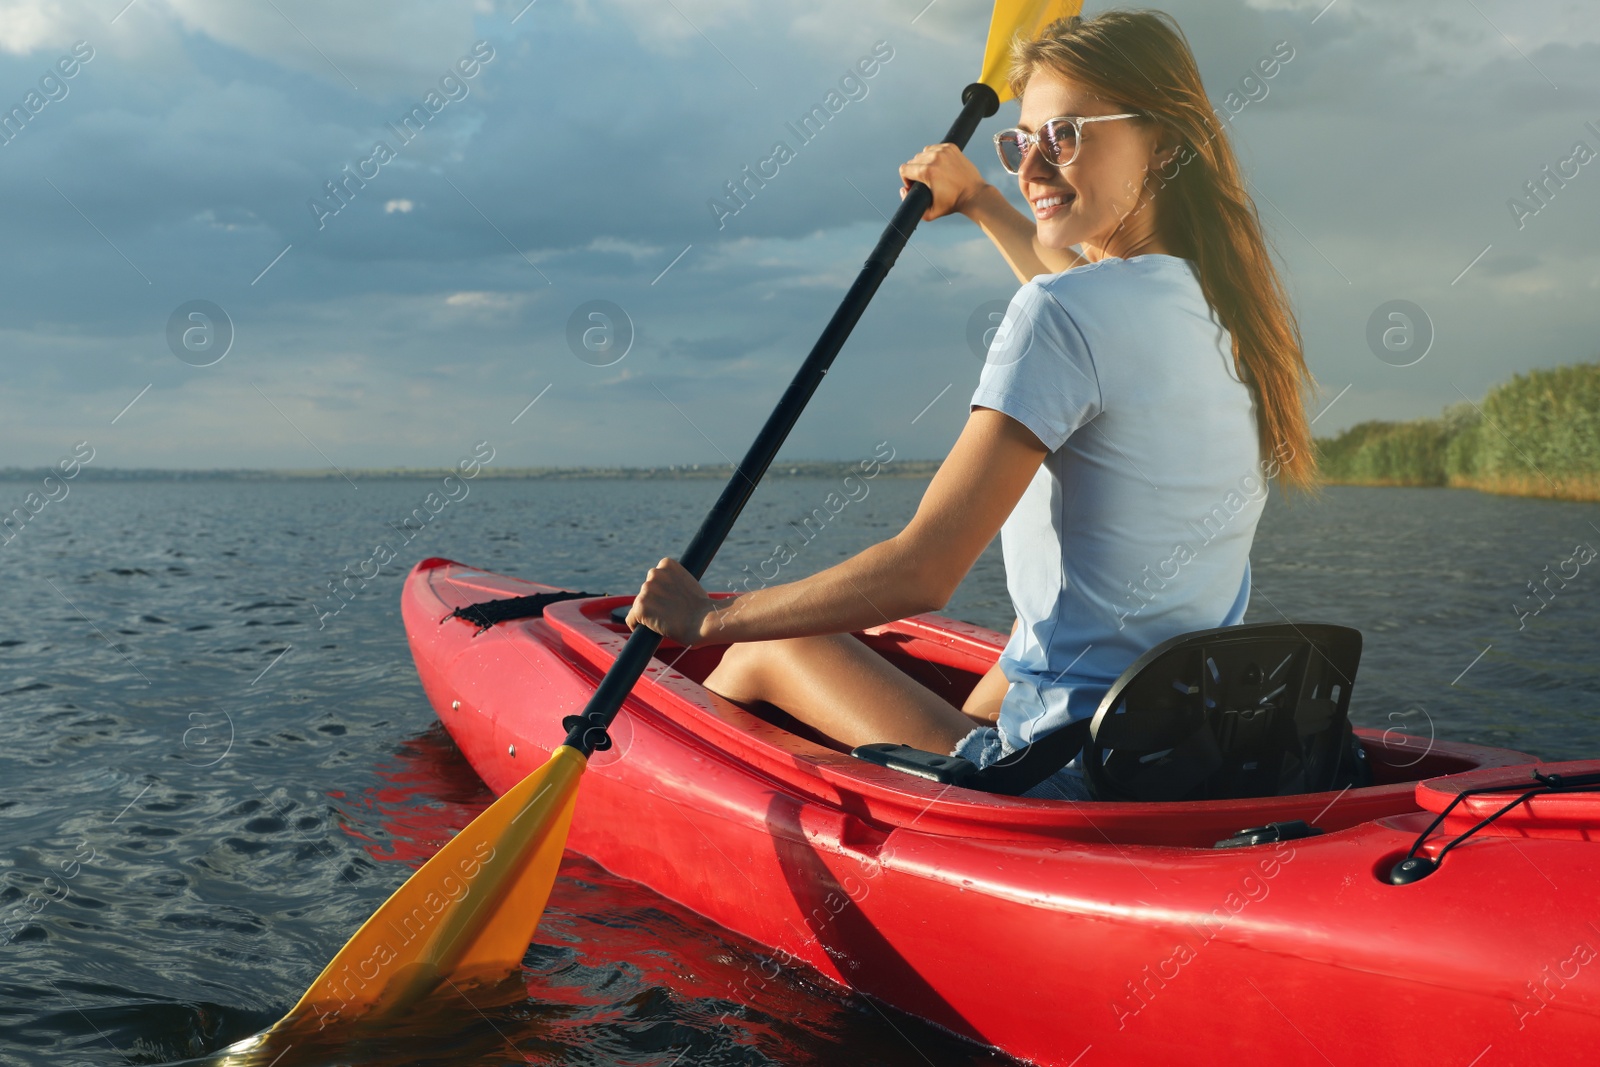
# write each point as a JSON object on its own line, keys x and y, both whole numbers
{"x": 1061, "y": 933}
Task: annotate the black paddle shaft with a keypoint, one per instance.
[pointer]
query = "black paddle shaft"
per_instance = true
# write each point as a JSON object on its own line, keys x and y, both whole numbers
{"x": 587, "y": 732}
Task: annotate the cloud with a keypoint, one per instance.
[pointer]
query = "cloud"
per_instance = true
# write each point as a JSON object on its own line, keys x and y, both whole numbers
{"x": 820, "y": 25}
{"x": 482, "y": 301}
{"x": 183, "y": 163}
{"x": 366, "y": 46}
{"x": 717, "y": 349}
{"x": 27, "y": 26}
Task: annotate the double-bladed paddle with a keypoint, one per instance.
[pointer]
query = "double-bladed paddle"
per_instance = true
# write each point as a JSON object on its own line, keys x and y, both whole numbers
{"x": 469, "y": 913}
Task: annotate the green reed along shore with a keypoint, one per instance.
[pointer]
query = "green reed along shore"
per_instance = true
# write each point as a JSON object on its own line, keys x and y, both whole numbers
{"x": 1536, "y": 435}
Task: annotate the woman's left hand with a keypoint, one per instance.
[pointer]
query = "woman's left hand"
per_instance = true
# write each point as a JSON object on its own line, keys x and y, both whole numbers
{"x": 671, "y": 603}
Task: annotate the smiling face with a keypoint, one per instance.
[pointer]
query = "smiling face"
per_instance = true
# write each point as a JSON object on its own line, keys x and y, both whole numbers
{"x": 1091, "y": 202}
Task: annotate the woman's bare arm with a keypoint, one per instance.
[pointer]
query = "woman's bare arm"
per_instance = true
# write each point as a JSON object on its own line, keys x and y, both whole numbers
{"x": 1015, "y": 235}
{"x": 917, "y": 570}
{"x": 957, "y": 186}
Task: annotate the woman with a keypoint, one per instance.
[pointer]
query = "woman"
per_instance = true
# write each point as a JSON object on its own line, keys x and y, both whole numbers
{"x": 1131, "y": 406}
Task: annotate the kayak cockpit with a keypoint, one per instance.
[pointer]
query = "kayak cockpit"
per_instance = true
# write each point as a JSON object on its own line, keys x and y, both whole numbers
{"x": 949, "y": 657}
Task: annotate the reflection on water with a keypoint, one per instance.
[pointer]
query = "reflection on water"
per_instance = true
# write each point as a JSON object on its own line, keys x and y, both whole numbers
{"x": 206, "y": 791}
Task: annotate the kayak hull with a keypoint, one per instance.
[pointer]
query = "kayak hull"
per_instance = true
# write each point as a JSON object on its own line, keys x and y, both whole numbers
{"x": 1060, "y": 933}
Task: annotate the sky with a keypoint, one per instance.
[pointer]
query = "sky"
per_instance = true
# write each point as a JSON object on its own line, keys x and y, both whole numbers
{"x": 566, "y": 163}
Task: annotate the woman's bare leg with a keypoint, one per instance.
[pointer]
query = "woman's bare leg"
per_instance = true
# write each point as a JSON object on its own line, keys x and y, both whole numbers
{"x": 841, "y": 687}
{"x": 983, "y": 703}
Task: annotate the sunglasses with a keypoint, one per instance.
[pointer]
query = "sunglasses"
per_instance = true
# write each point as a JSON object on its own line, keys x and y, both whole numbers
{"x": 1058, "y": 140}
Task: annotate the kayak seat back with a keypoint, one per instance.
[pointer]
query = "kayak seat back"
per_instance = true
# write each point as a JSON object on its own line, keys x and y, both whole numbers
{"x": 1238, "y": 711}
{"x": 1226, "y": 713}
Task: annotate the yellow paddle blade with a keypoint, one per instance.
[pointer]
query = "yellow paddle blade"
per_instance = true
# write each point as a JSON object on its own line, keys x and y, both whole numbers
{"x": 468, "y": 913}
{"x": 1013, "y": 19}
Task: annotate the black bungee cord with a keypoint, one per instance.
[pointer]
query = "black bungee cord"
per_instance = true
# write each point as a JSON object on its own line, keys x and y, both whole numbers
{"x": 1414, "y": 867}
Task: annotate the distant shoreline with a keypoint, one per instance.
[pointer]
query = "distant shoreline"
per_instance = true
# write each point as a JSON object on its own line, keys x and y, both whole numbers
{"x": 1572, "y": 489}
{"x": 899, "y": 468}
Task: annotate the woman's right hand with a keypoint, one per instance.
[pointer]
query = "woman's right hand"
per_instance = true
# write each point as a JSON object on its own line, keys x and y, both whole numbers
{"x": 947, "y": 171}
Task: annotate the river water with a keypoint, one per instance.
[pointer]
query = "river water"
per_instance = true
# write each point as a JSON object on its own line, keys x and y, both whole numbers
{"x": 210, "y": 779}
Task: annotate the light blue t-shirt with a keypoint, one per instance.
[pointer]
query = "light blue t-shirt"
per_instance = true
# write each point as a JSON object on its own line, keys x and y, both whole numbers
{"x": 1138, "y": 525}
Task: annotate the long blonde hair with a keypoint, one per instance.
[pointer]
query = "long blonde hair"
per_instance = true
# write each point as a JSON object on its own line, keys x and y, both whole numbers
{"x": 1140, "y": 61}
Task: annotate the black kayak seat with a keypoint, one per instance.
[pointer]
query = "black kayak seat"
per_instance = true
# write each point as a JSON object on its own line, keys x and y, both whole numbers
{"x": 1233, "y": 712}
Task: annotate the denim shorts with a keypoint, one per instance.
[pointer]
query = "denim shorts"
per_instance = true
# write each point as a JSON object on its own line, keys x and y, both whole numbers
{"x": 985, "y": 746}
